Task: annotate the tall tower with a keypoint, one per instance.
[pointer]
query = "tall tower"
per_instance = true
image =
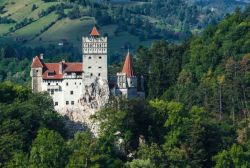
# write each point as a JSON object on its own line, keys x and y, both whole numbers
{"x": 36, "y": 74}
{"x": 94, "y": 57}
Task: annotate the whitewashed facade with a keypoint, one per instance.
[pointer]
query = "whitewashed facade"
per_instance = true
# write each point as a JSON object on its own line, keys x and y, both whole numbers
{"x": 71, "y": 85}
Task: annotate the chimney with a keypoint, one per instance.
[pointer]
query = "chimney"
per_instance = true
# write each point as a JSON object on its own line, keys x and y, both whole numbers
{"x": 61, "y": 66}
{"x": 41, "y": 56}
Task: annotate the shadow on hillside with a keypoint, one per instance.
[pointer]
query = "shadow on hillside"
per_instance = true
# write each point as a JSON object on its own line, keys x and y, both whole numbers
{"x": 72, "y": 127}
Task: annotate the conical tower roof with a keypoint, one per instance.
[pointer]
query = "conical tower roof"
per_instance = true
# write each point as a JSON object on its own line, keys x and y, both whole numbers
{"x": 94, "y": 32}
{"x": 37, "y": 63}
{"x": 128, "y": 65}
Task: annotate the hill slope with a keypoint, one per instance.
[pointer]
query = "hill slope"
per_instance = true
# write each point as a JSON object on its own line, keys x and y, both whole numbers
{"x": 38, "y": 23}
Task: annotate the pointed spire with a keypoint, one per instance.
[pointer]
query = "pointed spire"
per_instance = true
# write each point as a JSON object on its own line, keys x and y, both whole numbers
{"x": 37, "y": 63}
{"x": 94, "y": 32}
{"x": 128, "y": 65}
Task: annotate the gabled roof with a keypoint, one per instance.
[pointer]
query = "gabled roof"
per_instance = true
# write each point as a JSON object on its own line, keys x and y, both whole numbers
{"x": 128, "y": 66}
{"x": 56, "y": 70}
{"x": 37, "y": 63}
{"x": 52, "y": 67}
{"x": 55, "y": 67}
{"x": 94, "y": 32}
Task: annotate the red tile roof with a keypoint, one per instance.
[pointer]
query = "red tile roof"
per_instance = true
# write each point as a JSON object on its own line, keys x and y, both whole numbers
{"x": 94, "y": 32}
{"x": 128, "y": 66}
{"x": 57, "y": 68}
{"x": 37, "y": 63}
{"x": 73, "y": 67}
{"x": 52, "y": 67}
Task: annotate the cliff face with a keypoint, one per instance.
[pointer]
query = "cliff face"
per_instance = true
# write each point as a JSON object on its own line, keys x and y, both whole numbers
{"x": 94, "y": 97}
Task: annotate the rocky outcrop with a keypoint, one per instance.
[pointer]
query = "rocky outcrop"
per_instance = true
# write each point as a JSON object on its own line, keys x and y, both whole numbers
{"x": 94, "y": 97}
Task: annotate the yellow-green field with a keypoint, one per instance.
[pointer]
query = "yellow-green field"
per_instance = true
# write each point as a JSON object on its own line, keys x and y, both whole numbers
{"x": 71, "y": 30}
{"x": 4, "y": 28}
{"x": 30, "y": 30}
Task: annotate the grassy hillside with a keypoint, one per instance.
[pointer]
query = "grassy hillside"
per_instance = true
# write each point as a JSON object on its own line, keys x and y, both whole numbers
{"x": 42, "y": 24}
{"x": 70, "y": 29}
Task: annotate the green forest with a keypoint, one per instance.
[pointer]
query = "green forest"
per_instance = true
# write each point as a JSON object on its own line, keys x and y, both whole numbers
{"x": 196, "y": 113}
{"x": 42, "y": 24}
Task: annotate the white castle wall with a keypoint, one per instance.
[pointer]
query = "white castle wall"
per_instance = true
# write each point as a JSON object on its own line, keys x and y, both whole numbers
{"x": 66, "y": 92}
{"x": 78, "y": 97}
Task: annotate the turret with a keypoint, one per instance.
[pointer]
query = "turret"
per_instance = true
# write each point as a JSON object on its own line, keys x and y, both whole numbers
{"x": 129, "y": 71}
{"x": 126, "y": 80}
{"x": 36, "y": 73}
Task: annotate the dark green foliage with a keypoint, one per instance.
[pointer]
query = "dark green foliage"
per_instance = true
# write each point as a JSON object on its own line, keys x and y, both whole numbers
{"x": 6, "y": 20}
{"x": 211, "y": 70}
{"x": 128, "y": 119}
{"x": 236, "y": 156}
{"x": 88, "y": 152}
{"x": 201, "y": 120}
{"x": 48, "y": 150}
{"x": 214, "y": 72}
{"x": 160, "y": 64}
{"x": 22, "y": 114}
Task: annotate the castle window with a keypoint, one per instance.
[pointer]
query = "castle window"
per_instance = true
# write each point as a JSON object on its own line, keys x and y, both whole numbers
{"x": 91, "y": 74}
{"x": 99, "y": 74}
{"x": 100, "y": 57}
{"x": 51, "y": 73}
{"x": 67, "y": 84}
{"x": 99, "y": 67}
{"x": 48, "y": 83}
{"x": 36, "y": 70}
{"x": 80, "y": 83}
{"x": 71, "y": 92}
{"x": 56, "y": 83}
{"x": 72, "y": 102}
{"x": 56, "y": 103}
{"x": 67, "y": 102}
{"x": 89, "y": 57}
{"x": 52, "y": 91}
{"x": 89, "y": 67}
{"x": 75, "y": 83}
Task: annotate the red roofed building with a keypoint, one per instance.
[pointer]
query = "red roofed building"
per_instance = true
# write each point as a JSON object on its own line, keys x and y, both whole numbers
{"x": 67, "y": 81}
{"x": 62, "y": 80}
{"x": 70, "y": 83}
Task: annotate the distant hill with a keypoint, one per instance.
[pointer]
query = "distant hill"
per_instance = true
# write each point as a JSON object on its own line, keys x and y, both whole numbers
{"x": 44, "y": 23}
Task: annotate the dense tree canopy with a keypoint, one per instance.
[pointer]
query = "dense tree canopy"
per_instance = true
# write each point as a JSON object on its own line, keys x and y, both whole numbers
{"x": 196, "y": 113}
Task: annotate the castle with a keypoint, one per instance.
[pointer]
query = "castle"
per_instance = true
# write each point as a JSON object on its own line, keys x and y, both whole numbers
{"x": 78, "y": 83}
